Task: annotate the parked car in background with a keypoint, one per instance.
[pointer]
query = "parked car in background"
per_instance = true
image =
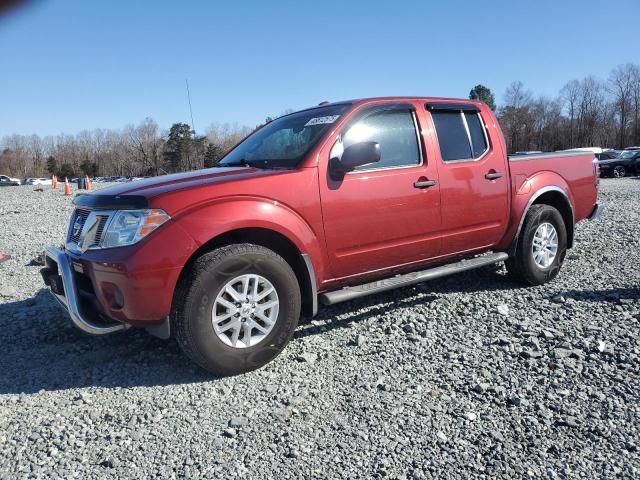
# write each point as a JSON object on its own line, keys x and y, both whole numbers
{"x": 593, "y": 150}
{"x": 37, "y": 181}
{"x": 633, "y": 148}
{"x": 627, "y": 163}
{"x": 324, "y": 205}
{"x": 607, "y": 155}
{"x": 6, "y": 181}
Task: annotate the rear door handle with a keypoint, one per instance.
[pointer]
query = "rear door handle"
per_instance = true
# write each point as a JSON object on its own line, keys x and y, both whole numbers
{"x": 493, "y": 175}
{"x": 424, "y": 183}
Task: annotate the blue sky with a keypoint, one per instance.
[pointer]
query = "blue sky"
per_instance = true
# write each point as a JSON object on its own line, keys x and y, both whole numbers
{"x": 73, "y": 65}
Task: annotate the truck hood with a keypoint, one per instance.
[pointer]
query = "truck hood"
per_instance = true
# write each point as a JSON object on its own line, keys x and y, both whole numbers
{"x": 153, "y": 187}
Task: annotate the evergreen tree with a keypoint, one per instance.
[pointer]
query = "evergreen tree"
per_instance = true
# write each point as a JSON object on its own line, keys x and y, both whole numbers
{"x": 52, "y": 164}
{"x": 65, "y": 170}
{"x": 212, "y": 155}
{"x": 89, "y": 168}
{"x": 178, "y": 147}
{"x": 482, "y": 93}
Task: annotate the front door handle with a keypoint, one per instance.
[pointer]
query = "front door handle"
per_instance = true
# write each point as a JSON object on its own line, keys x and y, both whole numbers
{"x": 493, "y": 175}
{"x": 424, "y": 183}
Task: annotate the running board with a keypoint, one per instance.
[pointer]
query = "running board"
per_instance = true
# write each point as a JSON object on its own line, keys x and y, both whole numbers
{"x": 357, "y": 291}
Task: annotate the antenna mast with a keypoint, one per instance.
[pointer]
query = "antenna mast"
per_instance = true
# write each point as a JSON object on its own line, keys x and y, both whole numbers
{"x": 190, "y": 109}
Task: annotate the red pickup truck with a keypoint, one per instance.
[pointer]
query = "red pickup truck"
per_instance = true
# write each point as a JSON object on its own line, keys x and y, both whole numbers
{"x": 323, "y": 205}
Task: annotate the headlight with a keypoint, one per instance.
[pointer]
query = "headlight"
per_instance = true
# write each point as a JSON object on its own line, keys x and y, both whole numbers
{"x": 130, "y": 226}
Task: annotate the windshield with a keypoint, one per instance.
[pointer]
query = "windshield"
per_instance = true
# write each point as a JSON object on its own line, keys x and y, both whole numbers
{"x": 628, "y": 154}
{"x": 284, "y": 142}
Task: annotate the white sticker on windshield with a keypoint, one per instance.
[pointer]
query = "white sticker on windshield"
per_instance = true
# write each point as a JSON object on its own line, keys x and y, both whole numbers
{"x": 321, "y": 120}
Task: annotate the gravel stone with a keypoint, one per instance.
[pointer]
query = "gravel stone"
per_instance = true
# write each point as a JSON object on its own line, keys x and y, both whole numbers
{"x": 230, "y": 432}
{"x": 515, "y": 400}
{"x": 442, "y": 406}
{"x": 238, "y": 422}
{"x": 308, "y": 357}
{"x": 480, "y": 387}
{"x": 470, "y": 416}
{"x": 561, "y": 352}
{"x": 359, "y": 340}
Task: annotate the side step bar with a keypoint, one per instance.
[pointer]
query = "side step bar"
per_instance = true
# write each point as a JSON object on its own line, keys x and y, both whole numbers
{"x": 357, "y": 291}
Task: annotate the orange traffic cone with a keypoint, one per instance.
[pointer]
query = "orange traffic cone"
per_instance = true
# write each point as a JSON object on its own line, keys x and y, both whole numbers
{"x": 87, "y": 185}
{"x": 67, "y": 187}
{"x": 54, "y": 182}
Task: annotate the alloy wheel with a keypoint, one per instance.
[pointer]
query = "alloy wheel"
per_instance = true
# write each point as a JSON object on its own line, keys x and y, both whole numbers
{"x": 545, "y": 245}
{"x": 245, "y": 311}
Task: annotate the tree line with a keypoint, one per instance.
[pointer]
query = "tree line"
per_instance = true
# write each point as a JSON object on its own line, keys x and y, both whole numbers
{"x": 585, "y": 112}
{"x": 588, "y": 112}
{"x": 136, "y": 150}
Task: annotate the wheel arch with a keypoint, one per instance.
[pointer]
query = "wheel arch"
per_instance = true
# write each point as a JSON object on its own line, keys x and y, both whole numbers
{"x": 299, "y": 262}
{"x": 556, "y": 197}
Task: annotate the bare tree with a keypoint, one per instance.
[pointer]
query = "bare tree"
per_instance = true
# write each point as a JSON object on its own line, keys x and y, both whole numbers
{"x": 590, "y": 105}
{"x": 144, "y": 142}
{"x": 515, "y": 117}
{"x": 635, "y": 91}
{"x": 621, "y": 87}
{"x": 569, "y": 95}
{"x": 517, "y": 96}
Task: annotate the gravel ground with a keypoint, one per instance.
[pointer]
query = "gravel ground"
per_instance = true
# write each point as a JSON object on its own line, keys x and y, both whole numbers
{"x": 465, "y": 377}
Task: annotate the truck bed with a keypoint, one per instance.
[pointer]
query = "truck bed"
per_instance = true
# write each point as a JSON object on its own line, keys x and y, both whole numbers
{"x": 572, "y": 171}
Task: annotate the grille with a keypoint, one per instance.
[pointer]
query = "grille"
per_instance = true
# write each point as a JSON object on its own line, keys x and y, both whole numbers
{"x": 91, "y": 238}
{"x": 77, "y": 223}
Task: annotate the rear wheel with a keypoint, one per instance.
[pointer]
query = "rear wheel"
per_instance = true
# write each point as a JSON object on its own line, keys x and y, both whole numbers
{"x": 542, "y": 246}
{"x": 236, "y": 309}
{"x": 619, "y": 171}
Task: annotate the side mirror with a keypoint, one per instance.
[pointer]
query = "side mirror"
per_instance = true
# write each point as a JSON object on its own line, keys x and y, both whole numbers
{"x": 355, "y": 155}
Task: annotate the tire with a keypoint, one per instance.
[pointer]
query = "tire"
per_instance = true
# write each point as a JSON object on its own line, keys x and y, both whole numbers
{"x": 192, "y": 317}
{"x": 523, "y": 267}
{"x": 619, "y": 171}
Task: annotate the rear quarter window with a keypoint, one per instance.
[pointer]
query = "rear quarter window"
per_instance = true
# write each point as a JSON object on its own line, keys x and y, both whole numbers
{"x": 477, "y": 134}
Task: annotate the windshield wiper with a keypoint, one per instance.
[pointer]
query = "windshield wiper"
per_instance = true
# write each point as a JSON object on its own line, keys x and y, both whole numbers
{"x": 261, "y": 164}
{"x": 238, "y": 163}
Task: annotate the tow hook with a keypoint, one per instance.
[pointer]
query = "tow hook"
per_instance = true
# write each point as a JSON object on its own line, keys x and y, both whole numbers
{"x": 52, "y": 280}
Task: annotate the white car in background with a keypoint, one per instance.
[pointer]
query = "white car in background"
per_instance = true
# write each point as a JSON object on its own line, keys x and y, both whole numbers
{"x": 37, "y": 181}
{"x": 9, "y": 181}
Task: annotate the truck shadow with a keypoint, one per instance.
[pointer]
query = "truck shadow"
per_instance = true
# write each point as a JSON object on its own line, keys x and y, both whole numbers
{"x": 616, "y": 295}
{"x": 43, "y": 351}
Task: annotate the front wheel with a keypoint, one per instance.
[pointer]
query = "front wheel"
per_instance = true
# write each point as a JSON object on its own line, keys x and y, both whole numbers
{"x": 542, "y": 246}
{"x": 236, "y": 308}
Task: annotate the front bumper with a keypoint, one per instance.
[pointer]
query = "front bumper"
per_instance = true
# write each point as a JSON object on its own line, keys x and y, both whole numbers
{"x": 58, "y": 275}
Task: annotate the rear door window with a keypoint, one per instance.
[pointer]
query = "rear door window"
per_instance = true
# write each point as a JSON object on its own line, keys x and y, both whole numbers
{"x": 461, "y": 134}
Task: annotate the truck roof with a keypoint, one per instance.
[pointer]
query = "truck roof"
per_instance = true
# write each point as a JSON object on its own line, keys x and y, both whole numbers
{"x": 407, "y": 97}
